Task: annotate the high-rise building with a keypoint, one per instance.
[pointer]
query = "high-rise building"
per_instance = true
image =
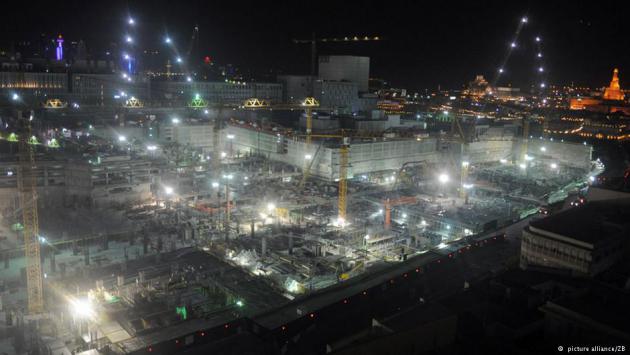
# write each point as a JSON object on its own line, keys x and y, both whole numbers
{"x": 345, "y": 68}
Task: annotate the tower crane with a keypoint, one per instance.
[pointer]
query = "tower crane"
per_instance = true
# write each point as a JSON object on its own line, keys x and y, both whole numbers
{"x": 313, "y": 42}
{"x": 28, "y": 200}
{"x": 457, "y": 134}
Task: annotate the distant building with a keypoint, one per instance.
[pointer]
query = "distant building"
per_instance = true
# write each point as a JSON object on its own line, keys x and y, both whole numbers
{"x": 217, "y": 91}
{"x": 345, "y": 68}
{"x": 583, "y": 241}
{"x": 478, "y": 87}
{"x": 612, "y": 99}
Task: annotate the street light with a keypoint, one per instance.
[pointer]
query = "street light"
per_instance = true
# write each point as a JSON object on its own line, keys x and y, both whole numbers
{"x": 131, "y": 21}
{"x": 175, "y": 120}
{"x": 122, "y": 138}
{"x": 178, "y": 59}
{"x": 129, "y": 39}
{"x": 167, "y": 40}
{"x": 15, "y": 97}
{"x": 168, "y": 190}
{"x": 443, "y": 178}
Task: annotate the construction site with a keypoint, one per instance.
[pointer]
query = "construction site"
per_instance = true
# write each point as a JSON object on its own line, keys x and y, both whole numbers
{"x": 117, "y": 236}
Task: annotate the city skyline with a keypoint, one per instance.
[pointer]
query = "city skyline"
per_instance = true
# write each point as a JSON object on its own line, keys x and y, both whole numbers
{"x": 422, "y": 46}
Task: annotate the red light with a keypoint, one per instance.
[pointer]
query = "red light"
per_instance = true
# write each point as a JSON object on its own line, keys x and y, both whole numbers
{"x": 150, "y": 349}
{"x": 203, "y": 334}
{"x": 284, "y": 327}
{"x": 312, "y": 315}
{"x": 417, "y": 269}
{"x": 450, "y": 255}
{"x": 226, "y": 326}
{"x": 207, "y": 59}
{"x": 345, "y": 301}
{"x": 405, "y": 275}
{"x": 176, "y": 341}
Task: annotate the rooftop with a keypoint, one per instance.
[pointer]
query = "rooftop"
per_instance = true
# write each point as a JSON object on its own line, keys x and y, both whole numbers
{"x": 592, "y": 223}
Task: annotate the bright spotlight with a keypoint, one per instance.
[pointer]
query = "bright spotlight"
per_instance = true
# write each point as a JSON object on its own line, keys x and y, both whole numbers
{"x": 537, "y": 39}
{"x": 178, "y": 60}
{"x": 543, "y": 149}
{"x": 271, "y": 206}
{"x": 465, "y": 164}
{"x": 151, "y": 148}
{"x": 129, "y": 39}
{"x": 122, "y": 138}
{"x": 81, "y": 308}
{"x": 554, "y": 165}
{"x": 443, "y": 178}
{"x": 467, "y": 186}
{"x": 15, "y": 97}
{"x": 230, "y": 136}
{"x": 215, "y": 184}
{"x": 540, "y": 69}
{"x": 168, "y": 190}
{"x": 503, "y": 161}
{"x": 188, "y": 79}
{"x": 522, "y": 166}
{"x": 131, "y": 21}
{"x": 167, "y": 40}
{"x": 591, "y": 178}
{"x": 542, "y": 85}
{"x": 500, "y": 70}
{"x": 308, "y": 157}
{"x": 513, "y": 45}
{"x": 175, "y": 120}
{"x": 524, "y": 20}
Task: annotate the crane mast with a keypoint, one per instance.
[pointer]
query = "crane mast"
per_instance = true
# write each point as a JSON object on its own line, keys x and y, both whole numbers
{"x": 28, "y": 201}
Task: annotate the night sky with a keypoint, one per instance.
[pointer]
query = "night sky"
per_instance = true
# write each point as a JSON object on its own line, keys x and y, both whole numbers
{"x": 426, "y": 44}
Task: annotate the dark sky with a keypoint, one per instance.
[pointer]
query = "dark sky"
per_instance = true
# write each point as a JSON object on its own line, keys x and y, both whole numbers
{"x": 427, "y": 43}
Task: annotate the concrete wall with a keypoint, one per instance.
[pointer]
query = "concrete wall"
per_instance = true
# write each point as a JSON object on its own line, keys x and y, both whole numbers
{"x": 569, "y": 154}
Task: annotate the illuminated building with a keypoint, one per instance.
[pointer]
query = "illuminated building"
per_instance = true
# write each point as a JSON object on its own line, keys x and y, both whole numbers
{"x": 613, "y": 92}
{"x": 478, "y": 87}
{"x": 611, "y": 101}
{"x": 59, "y": 49}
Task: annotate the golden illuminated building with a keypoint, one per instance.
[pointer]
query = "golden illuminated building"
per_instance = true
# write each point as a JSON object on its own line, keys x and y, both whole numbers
{"x": 609, "y": 102}
{"x": 613, "y": 92}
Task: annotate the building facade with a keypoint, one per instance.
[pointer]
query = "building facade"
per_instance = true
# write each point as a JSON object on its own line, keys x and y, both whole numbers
{"x": 345, "y": 68}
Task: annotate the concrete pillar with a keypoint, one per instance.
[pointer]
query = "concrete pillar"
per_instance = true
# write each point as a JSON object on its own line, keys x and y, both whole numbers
{"x": 53, "y": 264}
{"x": 263, "y": 248}
{"x": 86, "y": 252}
{"x": 290, "y": 243}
